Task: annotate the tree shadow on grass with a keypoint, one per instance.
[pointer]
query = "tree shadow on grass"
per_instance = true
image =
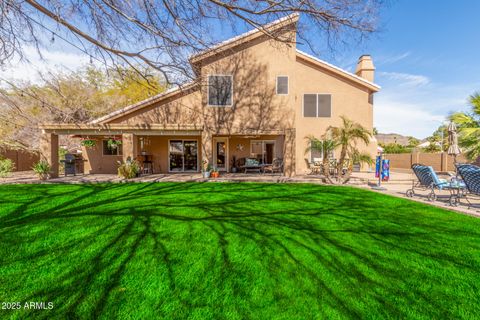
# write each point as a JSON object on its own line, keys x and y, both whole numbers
{"x": 249, "y": 250}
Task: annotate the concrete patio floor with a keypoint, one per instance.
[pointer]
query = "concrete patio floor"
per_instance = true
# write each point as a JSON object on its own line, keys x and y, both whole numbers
{"x": 397, "y": 185}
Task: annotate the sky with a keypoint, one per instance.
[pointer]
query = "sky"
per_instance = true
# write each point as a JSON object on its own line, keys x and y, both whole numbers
{"x": 427, "y": 63}
{"x": 426, "y": 55}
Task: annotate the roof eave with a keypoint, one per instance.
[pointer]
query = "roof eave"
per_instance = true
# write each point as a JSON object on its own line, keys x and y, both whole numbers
{"x": 245, "y": 37}
{"x": 139, "y": 105}
{"x": 353, "y": 77}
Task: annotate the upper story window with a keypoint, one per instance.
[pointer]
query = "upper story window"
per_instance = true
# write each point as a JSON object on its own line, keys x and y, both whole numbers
{"x": 220, "y": 90}
{"x": 282, "y": 85}
{"x": 317, "y": 105}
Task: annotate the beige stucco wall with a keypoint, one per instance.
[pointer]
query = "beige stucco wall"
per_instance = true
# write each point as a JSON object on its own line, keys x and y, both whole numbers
{"x": 256, "y": 107}
{"x": 157, "y": 146}
{"x": 348, "y": 99}
{"x": 96, "y": 161}
{"x": 404, "y": 161}
{"x": 183, "y": 108}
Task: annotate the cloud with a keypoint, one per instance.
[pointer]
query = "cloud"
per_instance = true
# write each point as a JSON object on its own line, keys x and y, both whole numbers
{"x": 52, "y": 60}
{"x": 393, "y": 59}
{"x": 410, "y": 119}
{"x": 414, "y": 105}
{"x": 406, "y": 79}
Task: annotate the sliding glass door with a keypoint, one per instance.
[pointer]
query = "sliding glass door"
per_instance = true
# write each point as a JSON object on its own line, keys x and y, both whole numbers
{"x": 183, "y": 155}
{"x": 264, "y": 150}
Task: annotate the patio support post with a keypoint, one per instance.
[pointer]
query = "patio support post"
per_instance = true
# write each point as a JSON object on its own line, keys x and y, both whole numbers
{"x": 130, "y": 146}
{"x": 289, "y": 153}
{"x": 49, "y": 151}
{"x": 207, "y": 151}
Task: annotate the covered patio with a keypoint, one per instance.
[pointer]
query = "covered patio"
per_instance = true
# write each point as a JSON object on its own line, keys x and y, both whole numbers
{"x": 166, "y": 149}
{"x": 155, "y": 144}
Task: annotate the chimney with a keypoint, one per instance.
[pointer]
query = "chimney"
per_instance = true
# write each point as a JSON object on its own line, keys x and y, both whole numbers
{"x": 365, "y": 68}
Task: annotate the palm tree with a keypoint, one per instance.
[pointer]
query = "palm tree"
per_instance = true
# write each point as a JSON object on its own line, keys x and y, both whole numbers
{"x": 346, "y": 137}
{"x": 468, "y": 125}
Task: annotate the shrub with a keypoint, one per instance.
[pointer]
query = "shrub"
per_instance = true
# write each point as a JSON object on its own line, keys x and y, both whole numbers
{"x": 6, "y": 167}
{"x": 42, "y": 169}
{"x": 129, "y": 169}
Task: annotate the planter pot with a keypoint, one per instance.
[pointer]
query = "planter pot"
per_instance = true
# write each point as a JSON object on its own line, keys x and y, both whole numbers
{"x": 206, "y": 174}
{"x": 234, "y": 170}
{"x": 43, "y": 176}
{"x": 215, "y": 174}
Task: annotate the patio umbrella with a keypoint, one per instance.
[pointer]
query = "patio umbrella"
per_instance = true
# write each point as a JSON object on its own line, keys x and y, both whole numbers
{"x": 453, "y": 148}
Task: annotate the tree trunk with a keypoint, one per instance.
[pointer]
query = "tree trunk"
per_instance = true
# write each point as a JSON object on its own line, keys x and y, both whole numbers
{"x": 326, "y": 171}
{"x": 341, "y": 160}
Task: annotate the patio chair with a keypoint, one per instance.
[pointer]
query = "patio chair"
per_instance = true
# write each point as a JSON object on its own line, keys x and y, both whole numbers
{"x": 470, "y": 175}
{"x": 314, "y": 169}
{"x": 428, "y": 180}
{"x": 276, "y": 166}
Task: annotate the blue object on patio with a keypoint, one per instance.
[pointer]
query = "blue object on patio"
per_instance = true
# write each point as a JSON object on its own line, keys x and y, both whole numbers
{"x": 385, "y": 170}
{"x": 377, "y": 166}
{"x": 471, "y": 176}
{"x": 428, "y": 179}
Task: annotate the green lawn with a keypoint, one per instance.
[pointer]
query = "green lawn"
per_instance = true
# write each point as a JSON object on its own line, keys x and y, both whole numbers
{"x": 234, "y": 251}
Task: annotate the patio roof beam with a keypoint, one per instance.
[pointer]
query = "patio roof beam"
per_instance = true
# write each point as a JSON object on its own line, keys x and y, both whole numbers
{"x": 117, "y": 129}
{"x": 120, "y": 132}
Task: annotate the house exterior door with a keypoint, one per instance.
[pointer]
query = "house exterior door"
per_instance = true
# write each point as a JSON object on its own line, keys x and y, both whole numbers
{"x": 220, "y": 153}
{"x": 183, "y": 156}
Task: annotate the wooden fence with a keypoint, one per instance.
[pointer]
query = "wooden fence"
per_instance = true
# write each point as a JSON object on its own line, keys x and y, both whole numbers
{"x": 23, "y": 160}
{"x": 439, "y": 161}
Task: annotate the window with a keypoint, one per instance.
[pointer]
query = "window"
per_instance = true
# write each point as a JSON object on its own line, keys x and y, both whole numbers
{"x": 220, "y": 90}
{"x": 316, "y": 153}
{"x": 317, "y": 105}
{"x": 310, "y": 105}
{"x": 183, "y": 155}
{"x": 107, "y": 151}
{"x": 324, "y": 106}
{"x": 282, "y": 85}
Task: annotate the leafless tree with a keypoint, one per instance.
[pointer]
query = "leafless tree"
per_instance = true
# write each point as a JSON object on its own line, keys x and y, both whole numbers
{"x": 162, "y": 34}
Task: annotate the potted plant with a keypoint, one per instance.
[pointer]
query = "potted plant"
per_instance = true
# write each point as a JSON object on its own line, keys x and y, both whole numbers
{"x": 128, "y": 169}
{"x": 234, "y": 165}
{"x": 206, "y": 169}
{"x": 215, "y": 173}
{"x": 88, "y": 143}
{"x": 114, "y": 143}
{"x": 42, "y": 169}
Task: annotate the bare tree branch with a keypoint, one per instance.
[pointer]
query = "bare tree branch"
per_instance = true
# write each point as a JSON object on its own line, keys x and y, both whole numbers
{"x": 162, "y": 34}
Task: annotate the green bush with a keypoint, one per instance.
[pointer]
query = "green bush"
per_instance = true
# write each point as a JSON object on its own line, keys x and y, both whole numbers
{"x": 392, "y": 148}
{"x": 42, "y": 169}
{"x": 129, "y": 169}
{"x": 6, "y": 167}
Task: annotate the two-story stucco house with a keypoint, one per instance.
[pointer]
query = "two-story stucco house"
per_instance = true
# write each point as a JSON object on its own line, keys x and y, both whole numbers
{"x": 254, "y": 96}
